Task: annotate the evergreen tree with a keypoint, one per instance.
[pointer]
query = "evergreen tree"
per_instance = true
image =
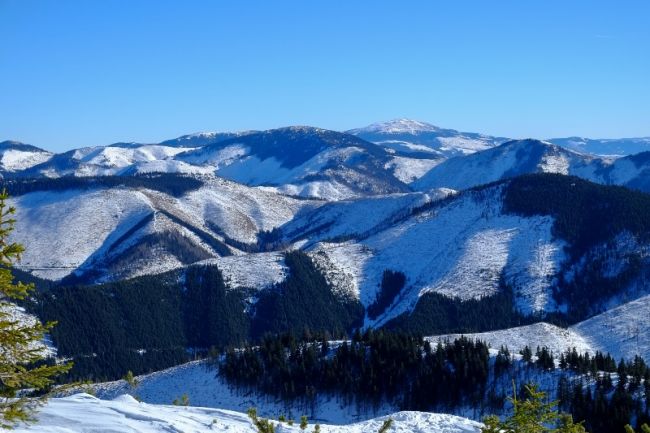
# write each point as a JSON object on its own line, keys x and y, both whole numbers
{"x": 22, "y": 370}
{"x": 534, "y": 414}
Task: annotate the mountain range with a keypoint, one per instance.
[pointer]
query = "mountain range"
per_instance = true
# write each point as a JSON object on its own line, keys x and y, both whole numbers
{"x": 400, "y": 225}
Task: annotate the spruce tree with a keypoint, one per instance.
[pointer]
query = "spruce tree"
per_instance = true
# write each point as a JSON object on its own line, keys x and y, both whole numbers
{"x": 534, "y": 414}
{"x": 23, "y": 375}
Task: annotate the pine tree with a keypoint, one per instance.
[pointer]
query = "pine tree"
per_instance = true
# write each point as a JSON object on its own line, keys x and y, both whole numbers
{"x": 23, "y": 374}
{"x": 533, "y": 415}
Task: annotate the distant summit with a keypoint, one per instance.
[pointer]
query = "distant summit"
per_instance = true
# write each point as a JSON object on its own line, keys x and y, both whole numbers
{"x": 397, "y": 126}
{"x": 424, "y": 140}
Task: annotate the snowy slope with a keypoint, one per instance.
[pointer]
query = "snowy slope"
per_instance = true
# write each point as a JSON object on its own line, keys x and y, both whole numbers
{"x": 70, "y": 230}
{"x": 407, "y": 136}
{"x": 605, "y": 147}
{"x": 408, "y": 169}
{"x": 507, "y": 160}
{"x": 251, "y": 271}
{"x": 87, "y": 414}
{"x": 623, "y": 330}
{"x": 533, "y": 156}
{"x": 16, "y": 156}
{"x": 199, "y": 380}
{"x": 199, "y": 139}
{"x": 62, "y": 230}
{"x": 116, "y": 159}
{"x": 303, "y": 161}
{"x": 459, "y": 248}
{"x": 540, "y": 334}
{"x": 355, "y": 217}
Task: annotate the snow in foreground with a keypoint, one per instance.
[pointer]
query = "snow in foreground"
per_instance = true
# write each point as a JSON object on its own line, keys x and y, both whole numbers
{"x": 87, "y": 414}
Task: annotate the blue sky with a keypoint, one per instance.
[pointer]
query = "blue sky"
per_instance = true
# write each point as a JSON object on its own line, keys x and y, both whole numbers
{"x": 80, "y": 73}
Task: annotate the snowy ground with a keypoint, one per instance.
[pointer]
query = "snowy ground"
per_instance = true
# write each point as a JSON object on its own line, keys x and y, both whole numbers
{"x": 200, "y": 382}
{"x": 459, "y": 249}
{"x": 622, "y": 332}
{"x": 553, "y": 337}
{"x": 84, "y": 413}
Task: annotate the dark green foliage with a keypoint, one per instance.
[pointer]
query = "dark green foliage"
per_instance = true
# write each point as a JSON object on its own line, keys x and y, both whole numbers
{"x": 170, "y": 183}
{"x": 386, "y": 425}
{"x": 213, "y": 315}
{"x": 143, "y": 324}
{"x": 604, "y": 409}
{"x": 304, "y": 301}
{"x": 438, "y": 314}
{"x": 171, "y": 242}
{"x": 503, "y": 361}
{"x": 220, "y": 247}
{"x": 104, "y": 327}
{"x": 148, "y": 323}
{"x": 533, "y": 413}
{"x": 585, "y": 215}
{"x": 268, "y": 240}
{"x": 374, "y": 366}
{"x": 391, "y": 284}
{"x": 261, "y": 424}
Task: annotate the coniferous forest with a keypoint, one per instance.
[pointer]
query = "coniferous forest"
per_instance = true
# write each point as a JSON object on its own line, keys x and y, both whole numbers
{"x": 379, "y": 366}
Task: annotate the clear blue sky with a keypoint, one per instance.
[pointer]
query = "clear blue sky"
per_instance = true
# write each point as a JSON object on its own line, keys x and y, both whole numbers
{"x": 77, "y": 73}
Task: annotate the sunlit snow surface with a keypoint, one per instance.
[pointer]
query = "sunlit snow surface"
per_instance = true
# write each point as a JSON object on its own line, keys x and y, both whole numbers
{"x": 84, "y": 413}
{"x": 459, "y": 249}
{"x": 623, "y": 332}
{"x": 14, "y": 160}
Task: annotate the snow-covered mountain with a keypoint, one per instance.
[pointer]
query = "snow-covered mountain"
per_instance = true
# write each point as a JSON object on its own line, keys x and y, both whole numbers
{"x": 510, "y": 159}
{"x": 301, "y": 161}
{"x": 200, "y": 139}
{"x": 406, "y": 136}
{"x": 519, "y": 157}
{"x": 606, "y": 146}
{"x": 463, "y": 245}
{"x": 119, "y": 232}
{"x": 381, "y": 158}
{"x": 17, "y": 156}
{"x": 460, "y": 247}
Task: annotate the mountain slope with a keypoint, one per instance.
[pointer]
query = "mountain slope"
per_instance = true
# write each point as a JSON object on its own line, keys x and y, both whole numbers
{"x": 574, "y": 238}
{"x": 17, "y": 156}
{"x": 533, "y": 156}
{"x": 124, "y": 414}
{"x": 508, "y": 160}
{"x": 301, "y": 161}
{"x": 125, "y": 231}
{"x": 413, "y": 137}
{"x": 605, "y": 147}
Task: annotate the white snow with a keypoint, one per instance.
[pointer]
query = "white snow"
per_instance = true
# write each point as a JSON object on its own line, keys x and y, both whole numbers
{"x": 62, "y": 230}
{"x": 623, "y": 331}
{"x": 358, "y": 216}
{"x": 557, "y": 339}
{"x": 16, "y": 160}
{"x": 465, "y": 145}
{"x": 511, "y": 159}
{"x": 83, "y": 413}
{"x": 410, "y": 169}
{"x": 397, "y": 126}
{"x": 459, "y": 249}
{"x": 118, "y": 157}
{"x": 253, "y": 271}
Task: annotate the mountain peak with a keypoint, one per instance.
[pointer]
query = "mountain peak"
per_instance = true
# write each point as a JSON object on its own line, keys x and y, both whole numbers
{"x": 17, "y": 145}
{"x": 399, "y": 126}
